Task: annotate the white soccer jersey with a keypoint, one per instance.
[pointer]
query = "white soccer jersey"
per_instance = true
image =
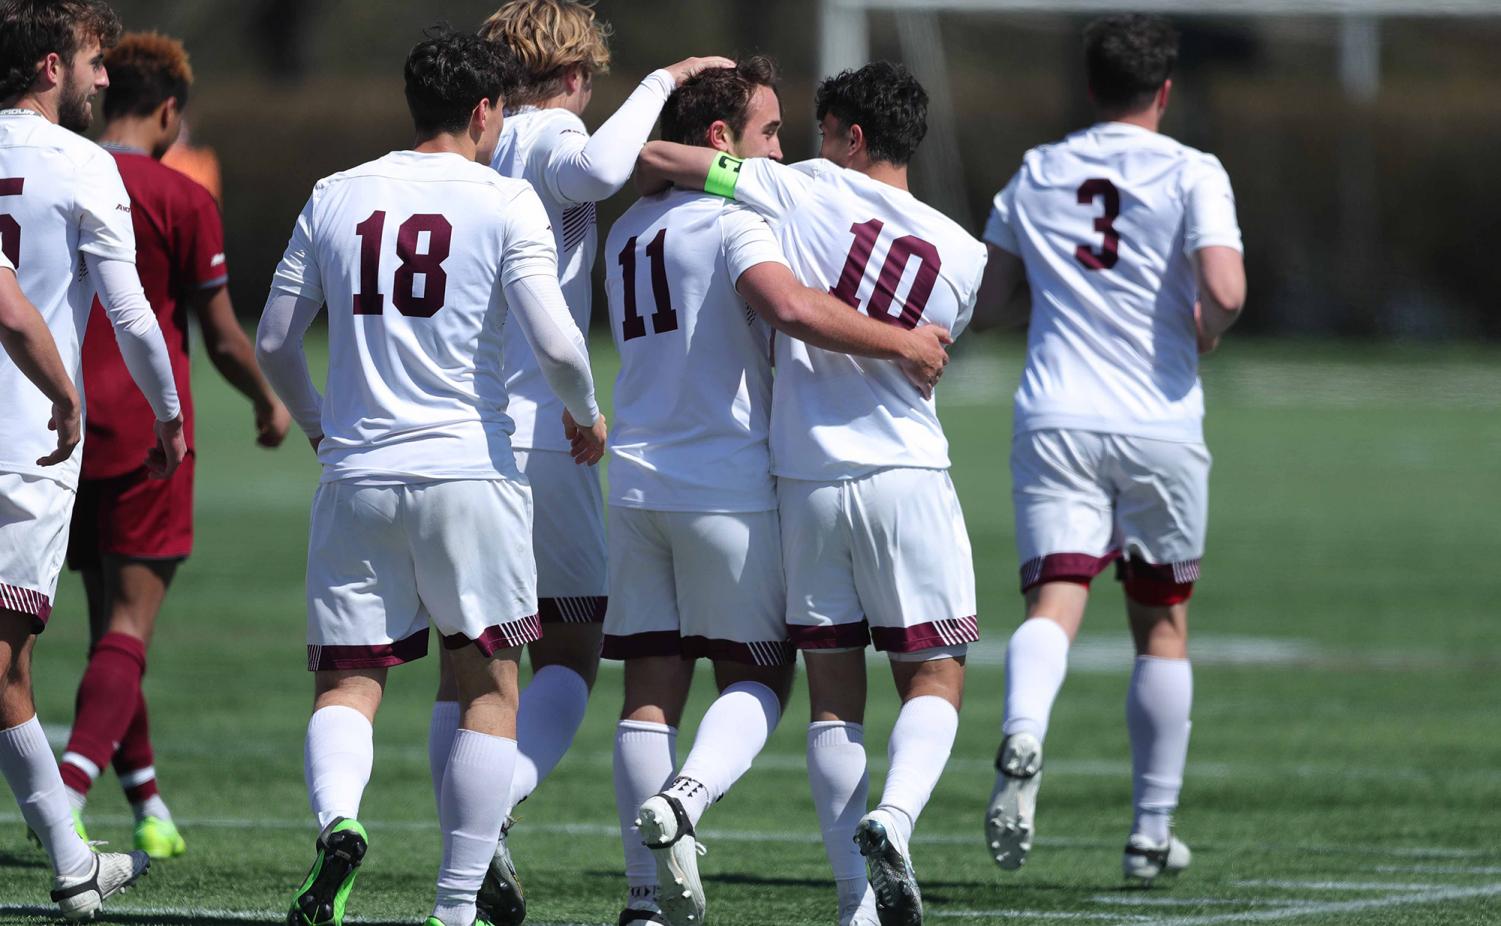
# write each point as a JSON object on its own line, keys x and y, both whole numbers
{"x": 693, "y": 399}
{"x": 889, "y": 255}
{"x": 60, "y": 197}
{"x": 410, "y": 253}
{"x": 1106, "y": 221}
{"x": 528, "y": 141}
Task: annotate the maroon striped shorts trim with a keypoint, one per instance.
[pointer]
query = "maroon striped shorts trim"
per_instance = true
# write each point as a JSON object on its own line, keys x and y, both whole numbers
{"x": 1183, "y": 573}
{"x": 331, "y": 657}
{"x": 765, "y": 653}
{"x": 519, "y": 632}
{"x": 1064, "y": 567}
{"x": 646, "y": 645}
{"x": 956, "y": 631}
{"x": 26, "y": 601}
{"x": 579, "y": 609}
{"x": 830, "y": 636}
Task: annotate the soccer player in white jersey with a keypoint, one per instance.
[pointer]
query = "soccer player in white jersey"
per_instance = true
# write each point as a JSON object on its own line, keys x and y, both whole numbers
{"x": 1130, "y": 243}
{"x": 422, "y": 515}
{"x": 874, "y": 543}
{"x": 693, "y": 281}
{"x": 65, "y": 230}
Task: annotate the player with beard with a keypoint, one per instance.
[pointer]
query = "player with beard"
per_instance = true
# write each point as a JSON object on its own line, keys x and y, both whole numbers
{"x": 130, "y": 532}
{"x": 65, "y": 227}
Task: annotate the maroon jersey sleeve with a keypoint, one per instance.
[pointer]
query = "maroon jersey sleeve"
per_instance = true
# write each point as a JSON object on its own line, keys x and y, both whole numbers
{"x": 200, "y": 241}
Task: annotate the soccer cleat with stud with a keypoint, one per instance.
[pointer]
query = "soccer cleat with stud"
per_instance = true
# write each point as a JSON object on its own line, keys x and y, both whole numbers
{"x": 159, "y": 838}
{"x": 666, "y": 831}
{"x": 113, "y": 873}
{"x": 501, "y": 901}
{"x": 898, "y": 899}
{"x": 1010, "y": 820}
{"x": 1145, "y": 861}
{"x": 631, "y": 916}
{"x": 325, "y": 892}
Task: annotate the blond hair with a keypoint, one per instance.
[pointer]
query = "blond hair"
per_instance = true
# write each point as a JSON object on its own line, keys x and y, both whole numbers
{"x": 548, "y": 37}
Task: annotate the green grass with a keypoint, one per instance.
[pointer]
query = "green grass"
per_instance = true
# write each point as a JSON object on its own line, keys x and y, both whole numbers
{"x": 1352, "y": 561}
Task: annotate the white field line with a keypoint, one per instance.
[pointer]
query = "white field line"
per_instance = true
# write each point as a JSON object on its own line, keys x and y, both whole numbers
{"x": 1429, "y": 895}
{"x": 1141, "y": 900}
{"x": 1285, "y": 885}
{"x": 1027, "y": 915}
{"x": 1439, "y": 869}
{"x": 196, "y": 914}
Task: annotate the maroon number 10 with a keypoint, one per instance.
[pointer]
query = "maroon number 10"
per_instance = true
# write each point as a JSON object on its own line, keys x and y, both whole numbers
{"x": 892, "y": 270}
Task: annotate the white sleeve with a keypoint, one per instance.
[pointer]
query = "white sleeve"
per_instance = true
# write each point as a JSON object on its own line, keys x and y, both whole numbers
{"x": 774, "y": 189}
{"x": 278, "y": 350}
{"x": 104, "y": 224}
{"x": 298, "y": 271}
{"x": 748, "y": 242}
{"x": 136, "y": 331}
{"x": 998, "y": 230}
{"x": 537, "y": 303}
{"x": 1209, "y": 213}
{"x": 584, "y": 169}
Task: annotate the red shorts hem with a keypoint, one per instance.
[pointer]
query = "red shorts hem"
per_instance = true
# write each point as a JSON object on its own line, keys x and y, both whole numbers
{"x": 578, "y": 609}
{"x": 646, "y": 645}
{"x": 334, "y": 657}
{"x": 830, "y": 636}
{"x": 509, "y": 635}
{"x": 1158, "y": 584}
{"x": 1080, "y": 568}
{"x": 956, "y": 631}
{"x": 764, "y": 653}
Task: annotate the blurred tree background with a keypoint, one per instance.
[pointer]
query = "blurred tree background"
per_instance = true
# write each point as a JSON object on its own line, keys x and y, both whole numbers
{"x": 1361, "y": 218}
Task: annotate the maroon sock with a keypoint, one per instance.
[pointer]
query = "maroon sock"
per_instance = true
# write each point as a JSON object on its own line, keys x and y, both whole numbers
{"x": 107, "y": 699}
{"x": 134, "y": 761}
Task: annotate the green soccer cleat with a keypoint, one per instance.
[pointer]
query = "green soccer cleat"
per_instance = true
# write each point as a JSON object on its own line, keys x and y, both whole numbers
{"x": 479, "y": 921}
{"x": 78, "y": 827}
{"x": 322, "y": 898}
{"x": 159, "y": 838}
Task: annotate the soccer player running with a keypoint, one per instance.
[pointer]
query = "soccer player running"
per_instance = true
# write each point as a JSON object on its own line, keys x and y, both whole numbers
{"x": 130, "y": 532}
{"x": 873, "y": 539}
{"x": 421, "y": 514}
{"x": 561, "y": 47}
{"x": 65, "y": 229}
{"x": 1130, "y": 244}
{"x": 693, "y": 502}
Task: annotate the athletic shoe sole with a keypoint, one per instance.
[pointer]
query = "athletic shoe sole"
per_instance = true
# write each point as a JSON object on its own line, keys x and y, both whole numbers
{"x": 898, "y": 899}
{"x": 320, "y": 901}
{"x": 1144, "y": 864}
{"x": 680, "y": 894}
{"x": 1010, "y": 819}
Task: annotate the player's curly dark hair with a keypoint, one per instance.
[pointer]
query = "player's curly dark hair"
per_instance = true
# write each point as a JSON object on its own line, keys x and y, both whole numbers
{"x": 886, "y": 101}
{"x": 1128, "y": 58}
{"x": 715, "y": 94}
{"x": 448, "y": 73}
{"x": 145, "y": 70}
{"x": 32, "y": 29}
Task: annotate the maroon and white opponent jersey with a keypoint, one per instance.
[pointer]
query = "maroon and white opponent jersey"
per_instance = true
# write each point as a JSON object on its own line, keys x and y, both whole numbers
{"x": 411, "y": 253}
{"x": 60, "y": 197}
{"x": 889, "y": 255}
{"x": 1107, "y": 221}
{"x": 693, "y": 399}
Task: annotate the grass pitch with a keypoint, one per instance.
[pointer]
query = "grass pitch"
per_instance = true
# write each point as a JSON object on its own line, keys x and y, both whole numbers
{"x": 1345, "y": 765}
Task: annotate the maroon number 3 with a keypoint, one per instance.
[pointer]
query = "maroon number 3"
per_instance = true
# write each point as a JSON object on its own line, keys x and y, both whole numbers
{"x": 1109, "y": 251}
{"x": 892, "y": 270}
{"x": 429, "y": 263}
{"x": 664, "y": 319}
{"x": 10, "y": 229}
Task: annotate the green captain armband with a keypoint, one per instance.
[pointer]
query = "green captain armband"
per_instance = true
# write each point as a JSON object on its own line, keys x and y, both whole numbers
{"x": 724, "y": 173}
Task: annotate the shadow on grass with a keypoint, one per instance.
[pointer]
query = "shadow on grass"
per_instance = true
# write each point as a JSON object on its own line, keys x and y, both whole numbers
{"x": 23, "y": 859}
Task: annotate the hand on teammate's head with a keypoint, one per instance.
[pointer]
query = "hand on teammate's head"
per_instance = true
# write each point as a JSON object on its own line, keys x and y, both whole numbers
{"x": 688, "y": 68}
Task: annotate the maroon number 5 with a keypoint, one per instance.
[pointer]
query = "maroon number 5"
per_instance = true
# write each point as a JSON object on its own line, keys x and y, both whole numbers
{"x": 1109, "y": 251}
{"x": 664, "y": 319}
{"x": 892, "y": 270}
{"x": 429, "y": 263}
{"x": 10, "y": 229}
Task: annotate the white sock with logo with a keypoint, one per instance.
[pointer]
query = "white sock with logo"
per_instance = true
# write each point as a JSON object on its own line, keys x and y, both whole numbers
{"x": 645, "y": 755}
{"x": 841, "y": 784}
{"x": 30, "y": 769}
{"x": 1036, "y": 662}
{"x": 733, "y": 732}
{"x": 1157, "y": 711}
{"x": 337, "y": 758}
{"x": 476, "y": 789}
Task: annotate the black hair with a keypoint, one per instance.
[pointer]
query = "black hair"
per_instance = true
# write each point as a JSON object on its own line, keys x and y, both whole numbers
{"x": 448, "y": 73}
{"x": 886, "y": 101}
{"x": 715, "y": 94}
{"x": 30, "y": 30}
{"x": 1128, "y": 58}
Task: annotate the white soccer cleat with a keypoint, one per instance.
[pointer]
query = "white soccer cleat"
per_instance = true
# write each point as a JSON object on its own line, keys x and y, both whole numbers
{"x": 80, "y": 898}
{"x": 666, "y": 831}
{"x": 1010, "y": 819}
{"x": 889, "y": 868}
{"x": 1145, "y": 860}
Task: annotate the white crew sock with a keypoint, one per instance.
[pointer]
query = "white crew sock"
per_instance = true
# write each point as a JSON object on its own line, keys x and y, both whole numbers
{"x": 1036, "y": 661}
{"x": 645, "y": 755}
{"x": 440, "y": 732}
{"x": 1157, "y": 708}
{"x": 552, "y": 707}
{"x": 733, "y": 732}
{"x": 339, "y": 752}
{"x": 31, "y": 771}
{"x": 476, "y": 781}
{"x": 152, "y": 806}
{"x": 840, "y": 785}
{"x": 921, "y": 741}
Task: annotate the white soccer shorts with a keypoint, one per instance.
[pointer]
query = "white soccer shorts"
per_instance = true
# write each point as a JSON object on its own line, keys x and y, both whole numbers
{"x": 697, "y": 584}
{"x": 882, "y": 558}
{"x": 385, "y": 560}
{"x": 35, "y": 513}
{"x": 568, "y": 537}
{"x": 1084, "y": 499}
